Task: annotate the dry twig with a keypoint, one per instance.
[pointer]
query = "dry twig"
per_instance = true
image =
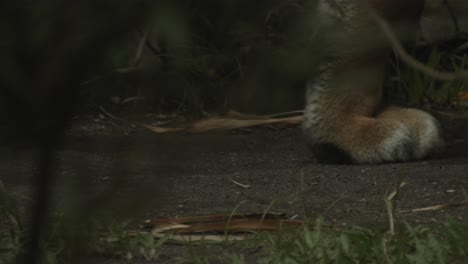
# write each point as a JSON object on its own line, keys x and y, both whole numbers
{"x": 245, "y": 186}
{"x": 436, "y": 207}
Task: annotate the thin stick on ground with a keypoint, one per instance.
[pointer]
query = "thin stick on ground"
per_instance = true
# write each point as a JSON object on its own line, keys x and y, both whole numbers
{"x": 390, "y": 204}
{"x": 389, "y": 207}
{"x": 245, "y": 186}
{"x": 436, "y": 207}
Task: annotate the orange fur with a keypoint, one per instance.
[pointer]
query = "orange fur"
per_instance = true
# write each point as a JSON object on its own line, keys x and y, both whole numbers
{"x": 344, "y": 115}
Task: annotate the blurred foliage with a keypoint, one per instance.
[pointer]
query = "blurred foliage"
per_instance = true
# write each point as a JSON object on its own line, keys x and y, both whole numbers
{"x": 48, "y": 48}
{"x": 188, "y": 56}
{"x": 216, "y": 55}
{"x": 181, "y": 55}
{"x": 409, "y": 86}
{"x": 250, "y": 56}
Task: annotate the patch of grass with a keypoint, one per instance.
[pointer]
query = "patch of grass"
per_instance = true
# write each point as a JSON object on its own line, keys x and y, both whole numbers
{"x": 117, "y": 242}
{"x": 313, "y": 243}
{"x": 444, "y": 244}
{"x": 317, "y": 243}
{"x": 62, "y": 243}
{"x": 448, "y": 244}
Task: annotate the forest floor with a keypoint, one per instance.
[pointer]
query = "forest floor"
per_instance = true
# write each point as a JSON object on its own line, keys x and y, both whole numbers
{"x": 178, "y": 174}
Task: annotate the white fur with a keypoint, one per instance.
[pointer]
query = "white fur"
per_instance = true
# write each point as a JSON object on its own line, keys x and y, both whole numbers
{"x": 429, "y": 138}
{"x": 312, "y": 112}
{"x": 393, "y": 148}
{"x": 396, "y": 146}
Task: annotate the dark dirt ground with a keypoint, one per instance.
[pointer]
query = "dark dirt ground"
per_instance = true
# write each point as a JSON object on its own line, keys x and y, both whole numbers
{"x": 191, "y": 174}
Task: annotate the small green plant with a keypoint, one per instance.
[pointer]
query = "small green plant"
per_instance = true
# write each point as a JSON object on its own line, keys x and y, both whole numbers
{"x": 448, "y": 244}
{"x": 118, "y": 241}
{"x": 313, "y": 243}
